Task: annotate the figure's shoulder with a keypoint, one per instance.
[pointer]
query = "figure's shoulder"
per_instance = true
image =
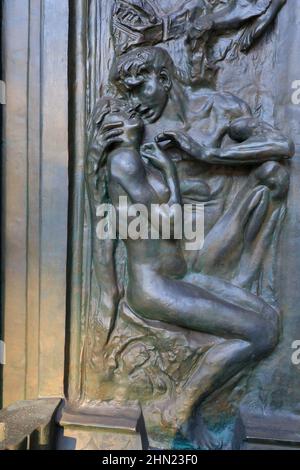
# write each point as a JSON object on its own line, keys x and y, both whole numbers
{"x": 222, "y": 102}
{"x": 123, "y": 163}
{"x": 231, "y": 103}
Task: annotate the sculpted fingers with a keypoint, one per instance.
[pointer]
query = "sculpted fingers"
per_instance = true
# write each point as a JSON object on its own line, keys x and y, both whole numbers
{"x": 112, "y": 125}
{"x": 166, "y": 140}
{"x": 111, "y": 134}
{"x": 148, "y": 147}
{"x": 151, "y": 157}
{"x": 109, "y": 142}
{"x": 166, "y": 135}
{"x": 178, "y": 139}
{"x": 153, "y": 153}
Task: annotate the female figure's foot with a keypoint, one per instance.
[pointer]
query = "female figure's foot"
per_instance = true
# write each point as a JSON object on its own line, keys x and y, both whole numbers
{"x": 198, "y": 434}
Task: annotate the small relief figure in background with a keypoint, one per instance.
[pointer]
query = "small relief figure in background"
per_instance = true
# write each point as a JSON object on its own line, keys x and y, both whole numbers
{"x": 136, "y": 23}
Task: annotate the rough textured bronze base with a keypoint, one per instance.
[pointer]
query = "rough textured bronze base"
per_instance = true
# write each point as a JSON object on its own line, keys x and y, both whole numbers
{"x": 267, "y": 432}
{"x": 103, "y": 428}
{"x": 82, "y": 438}
{"x": 29, "y": 425}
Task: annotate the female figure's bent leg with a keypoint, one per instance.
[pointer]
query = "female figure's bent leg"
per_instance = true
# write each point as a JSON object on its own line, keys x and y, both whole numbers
{"x": 248, "y": 324}
{"x": 219, "y": 309}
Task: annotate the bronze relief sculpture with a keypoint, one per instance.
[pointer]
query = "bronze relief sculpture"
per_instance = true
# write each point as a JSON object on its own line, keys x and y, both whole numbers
{"x": 169, "y": 329}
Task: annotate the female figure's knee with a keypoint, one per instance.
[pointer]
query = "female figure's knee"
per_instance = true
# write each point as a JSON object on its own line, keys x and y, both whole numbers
{"x": 266, "y": 337}
{"x": 143, "y": 300}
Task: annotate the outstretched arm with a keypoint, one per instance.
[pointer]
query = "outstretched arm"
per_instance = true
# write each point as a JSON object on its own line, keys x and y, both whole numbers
{"x": 253, "y": 142}
{"x": 259, "y": 26}
{"x": 256, "y": 149}
{"x": 233, "y": 17}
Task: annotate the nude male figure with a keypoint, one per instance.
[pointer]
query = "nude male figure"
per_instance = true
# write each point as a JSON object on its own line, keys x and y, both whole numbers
{"x": 216, "y": 130}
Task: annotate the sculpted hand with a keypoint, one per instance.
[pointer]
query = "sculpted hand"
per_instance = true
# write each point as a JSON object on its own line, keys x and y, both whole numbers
{"x": 184, "y": 142}
{"x": 102, "y": 140}
{"x": 156, "y": 156}
{"x": 110, "y": 134}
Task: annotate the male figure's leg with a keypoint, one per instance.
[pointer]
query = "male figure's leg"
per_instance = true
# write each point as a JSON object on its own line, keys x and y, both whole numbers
{"x": 242, "y": 235}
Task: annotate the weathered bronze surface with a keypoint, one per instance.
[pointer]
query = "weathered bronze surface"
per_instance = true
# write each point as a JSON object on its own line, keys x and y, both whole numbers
{"x": 280, "y": 431}
{"x": 161, "y": 101}
{"x": 29, "y": 425}
{"x": 110, "y": 427}
{"x": 35, "y": 200}
{"x": 179, "y": 332}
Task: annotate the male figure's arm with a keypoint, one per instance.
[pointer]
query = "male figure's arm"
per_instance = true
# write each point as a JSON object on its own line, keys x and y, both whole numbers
{"x": 255, "y": 30}
{"x": 254, "y": 142}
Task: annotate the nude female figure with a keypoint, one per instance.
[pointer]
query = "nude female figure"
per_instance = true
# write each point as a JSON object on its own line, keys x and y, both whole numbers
{"x": 159, "y": 286}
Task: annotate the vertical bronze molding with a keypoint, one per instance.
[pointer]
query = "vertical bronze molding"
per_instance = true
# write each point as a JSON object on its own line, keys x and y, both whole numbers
{"x": 25, "y": 79}
{"x": 16, "y": 33}
{"x": 34, "y": 90}
{"x": 54, "y": 196}
{"x": 77, "y": 146}
{"x": 35, "y": 197}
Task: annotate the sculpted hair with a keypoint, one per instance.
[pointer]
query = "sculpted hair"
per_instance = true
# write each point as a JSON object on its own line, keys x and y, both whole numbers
{"x": 143, "y": 60}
